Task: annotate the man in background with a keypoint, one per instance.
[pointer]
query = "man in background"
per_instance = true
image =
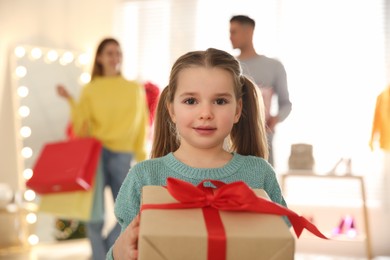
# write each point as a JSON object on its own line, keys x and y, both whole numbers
{"x": 268, "y": 74}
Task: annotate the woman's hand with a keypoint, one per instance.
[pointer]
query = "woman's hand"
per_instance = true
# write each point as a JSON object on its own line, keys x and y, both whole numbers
{"x": 62, "y": 92}
{"x": 126, "y": 246}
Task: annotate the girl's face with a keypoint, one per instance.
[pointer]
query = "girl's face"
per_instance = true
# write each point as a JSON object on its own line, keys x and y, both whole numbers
{"x": 204, "y": 108}
{"x": 111, "y": 59}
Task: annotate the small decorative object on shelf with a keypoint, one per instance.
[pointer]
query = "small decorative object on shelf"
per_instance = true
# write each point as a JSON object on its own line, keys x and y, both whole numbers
{"x": 301, "y": 157}
{"x": 342, "y": 167}
{"x": 346, "y": 227}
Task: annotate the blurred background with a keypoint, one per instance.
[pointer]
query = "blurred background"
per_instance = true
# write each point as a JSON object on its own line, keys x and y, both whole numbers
{"x": 336, "y": 54}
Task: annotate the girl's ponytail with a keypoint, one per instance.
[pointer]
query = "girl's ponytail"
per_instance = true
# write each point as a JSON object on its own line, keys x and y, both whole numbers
{"x": 164, "y": 137}
{"x": 248, "y": 136}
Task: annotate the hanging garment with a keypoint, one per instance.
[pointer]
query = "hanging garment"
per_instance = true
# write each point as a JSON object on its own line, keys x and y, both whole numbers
{"x": 381, "y": 121}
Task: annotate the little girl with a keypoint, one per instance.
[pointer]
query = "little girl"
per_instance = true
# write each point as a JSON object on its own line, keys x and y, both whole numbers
{"x": 208, "y": 126}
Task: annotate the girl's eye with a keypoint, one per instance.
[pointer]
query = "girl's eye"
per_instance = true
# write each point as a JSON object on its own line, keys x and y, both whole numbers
{"x": 221, "y": 101}
{"x": 190, "y": 101}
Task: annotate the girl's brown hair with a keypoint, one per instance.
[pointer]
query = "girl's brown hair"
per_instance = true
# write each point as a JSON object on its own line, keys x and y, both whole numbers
{"x": 97, "y": 69}
{"x": 248, "y": 136}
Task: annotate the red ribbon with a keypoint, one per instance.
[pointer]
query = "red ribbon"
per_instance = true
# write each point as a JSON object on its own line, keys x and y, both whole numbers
{"x": 236, "y": 196}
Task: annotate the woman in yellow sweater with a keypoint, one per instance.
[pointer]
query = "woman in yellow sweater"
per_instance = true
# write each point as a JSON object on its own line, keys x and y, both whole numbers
{"x": 114, "y": 111}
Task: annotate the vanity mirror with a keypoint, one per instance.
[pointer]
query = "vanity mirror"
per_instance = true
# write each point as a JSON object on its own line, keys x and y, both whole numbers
{"x": 41, "y": 116}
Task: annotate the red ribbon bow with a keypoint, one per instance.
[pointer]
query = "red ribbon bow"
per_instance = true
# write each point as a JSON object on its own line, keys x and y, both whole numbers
{"x": 236, "y": 196}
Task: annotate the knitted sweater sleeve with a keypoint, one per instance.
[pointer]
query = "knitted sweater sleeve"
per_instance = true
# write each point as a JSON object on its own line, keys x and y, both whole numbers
{"x": 127, "y": 204}
{"x": 80, "y": 114}
{"x": 272, "y": 187}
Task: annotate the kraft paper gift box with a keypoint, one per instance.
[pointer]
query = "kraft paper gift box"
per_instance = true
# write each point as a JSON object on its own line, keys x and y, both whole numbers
{"x": 178, "y": 234}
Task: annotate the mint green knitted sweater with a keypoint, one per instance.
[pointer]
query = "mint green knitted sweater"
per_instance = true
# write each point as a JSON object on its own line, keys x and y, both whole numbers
{"x": 254, "y": 171}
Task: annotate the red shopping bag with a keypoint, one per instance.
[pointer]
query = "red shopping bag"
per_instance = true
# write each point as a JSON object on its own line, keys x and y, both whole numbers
{"x": 66, "y": 166}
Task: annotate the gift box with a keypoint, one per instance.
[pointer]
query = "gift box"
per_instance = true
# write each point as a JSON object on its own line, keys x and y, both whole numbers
{"x": 183, "y": 233}
{"x": 65, "y": 166}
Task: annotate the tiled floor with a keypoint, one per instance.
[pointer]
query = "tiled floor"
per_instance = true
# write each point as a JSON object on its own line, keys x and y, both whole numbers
{"x": 79, "y": 250}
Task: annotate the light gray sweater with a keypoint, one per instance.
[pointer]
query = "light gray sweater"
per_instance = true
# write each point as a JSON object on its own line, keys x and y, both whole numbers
{"x": 254, "y": 171}
{"x": 270, "y": 73}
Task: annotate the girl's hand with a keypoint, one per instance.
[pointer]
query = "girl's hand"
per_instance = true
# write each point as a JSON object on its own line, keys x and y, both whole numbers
{"x": 126, "y": 246}
{"x": 62, "y": 92}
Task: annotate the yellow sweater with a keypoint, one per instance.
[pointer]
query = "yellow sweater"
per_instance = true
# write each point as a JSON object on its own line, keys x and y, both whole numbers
{"x": 114, "y": 111}
{"x": 381, "y": 122}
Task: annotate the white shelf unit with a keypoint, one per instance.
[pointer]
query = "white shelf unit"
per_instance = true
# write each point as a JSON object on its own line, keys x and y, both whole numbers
{"x": 306, "y": 175}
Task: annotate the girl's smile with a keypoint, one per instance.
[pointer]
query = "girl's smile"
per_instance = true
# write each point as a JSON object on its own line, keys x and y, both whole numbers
{"x": 205, "y": 130}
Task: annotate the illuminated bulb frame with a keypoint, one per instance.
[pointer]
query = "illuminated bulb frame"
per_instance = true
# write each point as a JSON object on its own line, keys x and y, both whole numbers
{"x": 50, "y": 55}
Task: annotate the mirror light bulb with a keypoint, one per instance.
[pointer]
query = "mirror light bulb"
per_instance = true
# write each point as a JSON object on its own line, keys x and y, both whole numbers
{"x": 31, "y": 218}
{"x": 20, "y": 52}
{"x": 36, "y": 53}
{"x": 27, "y": 152}
{"x": 27, "y": 173}
{"x": 21, "y": 71}
{"x": 52, "y": 56}
{"x": 66, "y": 58}
{"x": 25, "y": 131}
{"x": 29, "y": 195}
{"x": 33, "y": 239}
{"x": 22, "y": 91}
{"x": 85, "y": 77}
{"x": 24, "y": 111}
